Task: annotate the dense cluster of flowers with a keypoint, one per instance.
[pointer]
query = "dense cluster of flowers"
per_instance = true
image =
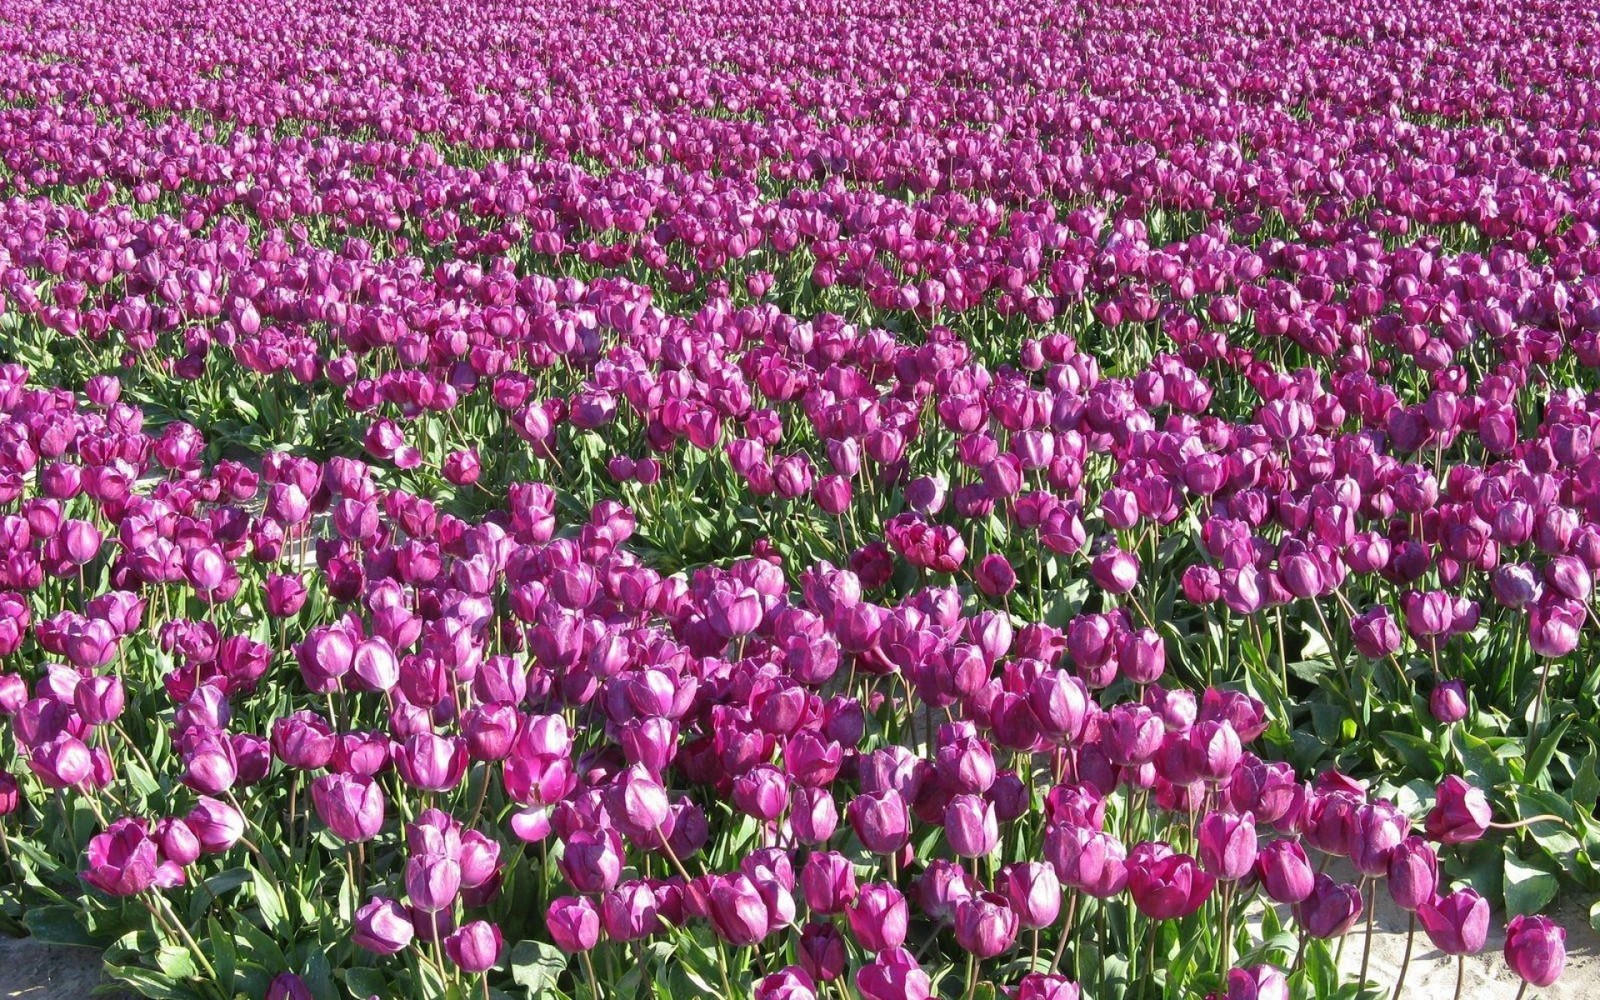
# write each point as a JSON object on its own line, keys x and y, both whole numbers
{"x": 1065, "y": 500}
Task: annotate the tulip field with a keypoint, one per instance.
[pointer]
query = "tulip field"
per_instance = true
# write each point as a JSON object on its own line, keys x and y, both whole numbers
{"x": 799, "y": 500}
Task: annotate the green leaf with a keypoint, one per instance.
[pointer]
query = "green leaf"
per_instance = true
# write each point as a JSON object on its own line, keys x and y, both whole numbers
{"x": 58, "y": 925}
{"x": 535, "y": 965}
{"x": 1528, "y": 889}
{"x": 365, "y": 983}
{"x": 1586, "y": 783}
{"x": 151, "y": 984}
{"x": 273, "y": 909}
{"x": 175, "y": 963}
{"x": 1545, "y": 750}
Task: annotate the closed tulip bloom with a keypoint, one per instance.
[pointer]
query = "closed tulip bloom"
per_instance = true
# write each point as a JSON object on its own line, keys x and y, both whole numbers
{"x": 1536, "y": 949}
{"x": 1461, "y": 813}
{"x": 1447, "y": 702}
{"x": 1379, "y": 829}
{"x": 592, "y": 861}
{"x": 303, "y": 740}
{"x": 738, "y": 913}
{"x": 1227, "y": 844}
{"x": 893, "y": 975}
{"x": 432, "y": 763}
{"x": 637, "y": 803}
{"x": 433, "y": 881}
{"x": 1093, "y": 861}
{"x": 574, "y": 924}
{"x": 878, "y": 917}
{"x": 177, "y": 842}
{"x": 828, "y": 882}
{"x": 970, "y": 826}
{"x": 1458, "y": 923}
{"x": 383, "y": 927}
{"x": 1331, "y": 909}
{"x": 474, "y": 947}
{"x": 216, "y": 824}
{"x": 813, "y": 816}
{"x": 994, "y": 575}
{"x": 630, "y": 911}
{"x": 1166, "y": 885}
{"x": 761, "y": 792}
{"x": 792, "y": 983}
{"x": 985, "y": 924}
{"x": 1115, "y": 571}
{"x": 99, "y": 699}
{"x": 1413, "y": 874}
{"x": 822, "y": 951}
{"x": 1042, "y": 986}
{"x": 351, "y": 806}
{"x": 941, "y": 886}
{"x": 1286, "y": 872}
{"x": 288, "y": 986}
{"x": 1034, "y": 891}
{"x": 1259, "y": 982}
{"x": 1060, "y": 703}
{"x": 123, "y": 860}
{"x": 880, "y": 821}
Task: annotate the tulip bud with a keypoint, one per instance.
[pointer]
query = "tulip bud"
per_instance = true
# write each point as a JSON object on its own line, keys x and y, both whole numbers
{"x": 1034, "y": 892}
{"x": 1413, "y": 874}
{"x": 822, "y": 951}
{"x": 1227, "y": 845}
{"x": 574, "y": 924}
{"x": 1286, "y": 872}
{"x": 1536, "y": 949}
{"x": 878, "y": 917}
{"x": 985, "y": 924}
{"x": 1331, "y": 908}
{"x": 1458, "y": 923}
{"x": 1460, "y": 814}
{"x": 383, "y": 927}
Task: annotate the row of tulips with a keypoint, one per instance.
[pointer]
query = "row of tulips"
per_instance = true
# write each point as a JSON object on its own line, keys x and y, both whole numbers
{"x": 1062, "y": 501}
{"x": 475, "y": 715}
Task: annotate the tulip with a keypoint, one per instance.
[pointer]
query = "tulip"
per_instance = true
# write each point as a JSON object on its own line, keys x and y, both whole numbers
{"x": 1330, "y": 909}
{"x": 1227, "y": 845}
{"x": 893, "y": 975}
{"x": 574, "y": 923}
{"x": 1447, "y": 702}
{"x": 1286, "y": 872}
{"x": 1461, "y": 813}
{"x": 1165, "y": 885}
{"x": 878, "y": 917}
{"x": 985, "y": 924}
{"x": 970, "y": 826}
{"x": 1379, "y": 829}
{"x": 822, "y": 951}
{"x": 630, "y": 911}
{"x": 1458, "y": 923}
{"x": 288, "y": 986}
{"x": 1413, "y": 872}
{"x": 1034, "y": 892}
{"x": 1041, "y": 986}
{"x": 216, "y": 824}
{"x": 828, "y": 882}
{"x": 792, "y": 983}
{"x": 351, "y": 806}
{"x": 383, "y": 927}
{"x": 880, "y": 821}
{"x": 738, "y": 913}
{"x": 433, "y": 881}
{"x": 123, "y": 860}
{"x": 1260, "y": 982}
{"x": 1536, "y": 949}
